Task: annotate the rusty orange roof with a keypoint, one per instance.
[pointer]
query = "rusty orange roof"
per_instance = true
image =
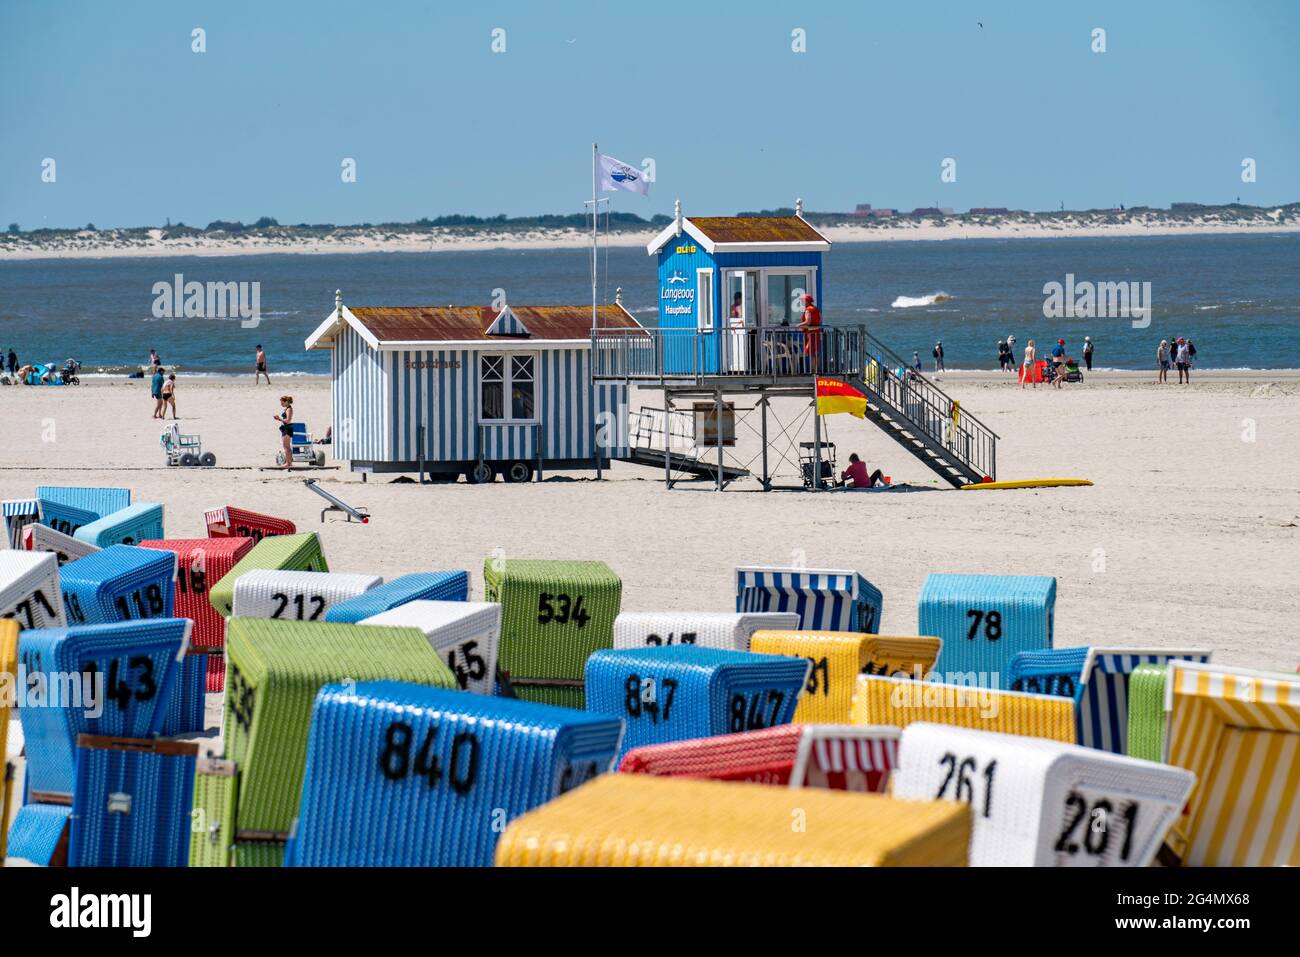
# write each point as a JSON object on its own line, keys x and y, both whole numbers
{"x": 411, "y": 324}
{"x": 757, "y": 229}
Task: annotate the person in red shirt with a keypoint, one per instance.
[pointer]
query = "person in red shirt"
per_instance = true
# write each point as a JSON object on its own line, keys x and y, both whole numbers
{"x": 857, "y": 471}
{"x": 811, "y": 324}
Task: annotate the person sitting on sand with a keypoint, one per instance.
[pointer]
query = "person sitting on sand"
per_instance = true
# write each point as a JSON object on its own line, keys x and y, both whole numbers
{"x": 857, "y": 471}
{"x": 169, "y": 395}
{"x": 285, "y": 418}
{"x": 155, "y": 390}
{"x": 23, "y": 372}
{"x": 1162, "y": 362}
{"x": 329, "y": 437}
{"x": 1029, "y": 371}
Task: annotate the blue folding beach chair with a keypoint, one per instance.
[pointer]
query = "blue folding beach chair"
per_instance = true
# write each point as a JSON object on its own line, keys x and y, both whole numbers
{"x": 132, "y": 803}
{"x": 140, "y": 522}
{"x": 680, "y": 692}
{"x": 38, "y": 834}
{"x": 418, "y": 586}
{"x": 119, "y": 583}
{"x": 302, "y": 446}
{"x": 131, "y": 666}
{"x": 984, "y": 620}
{"x": 402, "y": 775}
{"x": 824, "y": 599}
{"x": 1057, "y": 671}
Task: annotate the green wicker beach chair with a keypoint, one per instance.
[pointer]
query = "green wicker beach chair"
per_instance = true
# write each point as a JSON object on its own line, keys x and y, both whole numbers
{"x": 274, "y": 669}
{"x": 281, "y": 552}
{"x": 1146, "y": 712}
{"x": 554, "y": 614}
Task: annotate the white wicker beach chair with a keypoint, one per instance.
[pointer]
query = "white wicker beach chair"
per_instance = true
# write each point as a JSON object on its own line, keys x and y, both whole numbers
{"x": 1042, "y": 803}
{"x": 42, "y": 538}
{"x": 29, "y": 589}
{"x": 295, "y": 595}
{"x": 707, "y": 629}
{"x": 465, "y": 634}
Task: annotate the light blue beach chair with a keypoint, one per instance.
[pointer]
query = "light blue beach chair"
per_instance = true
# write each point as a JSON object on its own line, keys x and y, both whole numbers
{"x": 680, "y": 692}
{"x": 984, "y": 620}
{"x": 38, "y": 832}
{"x": 67, "y": 508}
{"x": 418, "y": 586}
{"x": 140, "y": 522}
{"x": 824, "y": 599}
{"x": 496, "y": 758}
{"x": 119, "y": 583}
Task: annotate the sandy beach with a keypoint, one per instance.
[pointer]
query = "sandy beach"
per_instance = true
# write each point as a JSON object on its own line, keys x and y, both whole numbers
{"x": 1189, "y": 538}
{"x": 110, "y": 244}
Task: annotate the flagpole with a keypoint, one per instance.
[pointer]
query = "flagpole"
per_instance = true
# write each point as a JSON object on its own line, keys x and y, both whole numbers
{"x": 595, "y": 218}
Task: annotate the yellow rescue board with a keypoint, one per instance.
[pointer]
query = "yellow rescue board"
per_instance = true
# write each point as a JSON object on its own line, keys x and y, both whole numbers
{"x": 1029, "y": 483}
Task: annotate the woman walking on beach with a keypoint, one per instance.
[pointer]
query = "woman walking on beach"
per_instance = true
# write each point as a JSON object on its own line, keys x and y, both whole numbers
{"x": 260, "y": 369}
{"x": 1162, "y": 362}
{"x": 169, "y": 395}
{"x": 285, "y": 418}
{"x": 1027, "y": 370}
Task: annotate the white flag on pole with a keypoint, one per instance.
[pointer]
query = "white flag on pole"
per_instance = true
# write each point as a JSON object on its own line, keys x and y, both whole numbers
{"x": 618, "y": 175}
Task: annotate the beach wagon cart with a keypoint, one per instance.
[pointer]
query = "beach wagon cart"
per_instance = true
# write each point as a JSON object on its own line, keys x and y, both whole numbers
{"x": 473, "y": 391}
{"x": 186, "y": 450}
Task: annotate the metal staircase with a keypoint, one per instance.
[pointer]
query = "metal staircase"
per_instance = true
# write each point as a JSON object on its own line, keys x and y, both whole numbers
{"x": 925, "y": 420}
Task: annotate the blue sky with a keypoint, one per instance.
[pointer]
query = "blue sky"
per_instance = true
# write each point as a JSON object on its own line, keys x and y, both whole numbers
{"x": 142, "y": 128}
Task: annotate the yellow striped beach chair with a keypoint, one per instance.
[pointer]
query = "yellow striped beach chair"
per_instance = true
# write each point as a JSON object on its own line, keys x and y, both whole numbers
{"x": 622, "y": 820}
{"x": 9, "y": 676}
{"x": 837, "y": 658}
{"x": 900, "y": 702}
{"x": 1238, "y": 731}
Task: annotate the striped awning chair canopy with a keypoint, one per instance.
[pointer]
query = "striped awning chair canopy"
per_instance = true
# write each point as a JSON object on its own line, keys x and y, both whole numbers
{"x": 824, "y": 599}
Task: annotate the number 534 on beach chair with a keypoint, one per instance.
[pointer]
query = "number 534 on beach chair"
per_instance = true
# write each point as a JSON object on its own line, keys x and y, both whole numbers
{"x": 1035, "y": 802}
{"x": 1238, "y": 731}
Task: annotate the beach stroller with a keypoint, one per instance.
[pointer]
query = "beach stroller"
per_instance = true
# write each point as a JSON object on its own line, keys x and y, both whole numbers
{"x": 69, "y": 372}
{"x": 186, "y": 450}
{"x": 302, "y": 446}
{"x": 1072, "y": 371}
{"x": 809, "y": 466}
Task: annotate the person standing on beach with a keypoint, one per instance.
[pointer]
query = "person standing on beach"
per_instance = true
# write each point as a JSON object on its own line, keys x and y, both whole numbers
{"x": 261, "y": 367}
{"x": 155, "y": 390}
{"x": 811, "y": 324}
{"x": 916, "y": 361}
{"x": 1162, "y": 362}
{"x": 13, "y": 362}
{"x": 1002, "y": 355}
{"x": 1183, "y": 360}
{"x": 1011, "y": 350}
{"x": 285, "y": 418}
{"x": 1058, "y": 361}
{"x": 1087, "y": 352}
{"x": 169, "y": 395}
{"x": 937, "y": 352}
{"x": 1027, "y": 371}
{"x": 153, "y": 358}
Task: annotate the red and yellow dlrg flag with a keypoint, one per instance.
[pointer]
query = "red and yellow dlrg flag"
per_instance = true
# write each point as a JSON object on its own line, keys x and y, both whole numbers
{"x": 836, "y": 396}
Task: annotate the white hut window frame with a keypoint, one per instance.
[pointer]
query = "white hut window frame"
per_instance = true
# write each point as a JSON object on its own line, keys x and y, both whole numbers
{"x": 508, "y": 376}
{"x": 755, "y": 291}
{"x": 704, "y": 299}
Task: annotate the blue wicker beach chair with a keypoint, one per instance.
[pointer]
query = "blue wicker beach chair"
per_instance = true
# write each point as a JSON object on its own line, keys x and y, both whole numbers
{"x": 824, "y": 600}
{"x": 131, "y": 806}
{"x": 29, "y": 589}
{"x": 186, "y": 714}
{"x": 16, "y": 515}
{"x": 68, "y": 509}
{"x": 679, "y": 692}
{"x": 134, "y": 665}
{"x": 452, "y": 770}
{"x": 704, "y": 629}
{"x": 984, "y": 620}
{"x": 296, "y": 595}
{"x": 1043, "y": 803}
{"x": 42, "y": 538}
{"x": 418, "y": 586}
{"x": 465, "y": 634}
{"x": 119, "y": 583}
{"x": 39, "y": 834}
{"x": 1057, "y": 671}
{"x": 126, "y": 526}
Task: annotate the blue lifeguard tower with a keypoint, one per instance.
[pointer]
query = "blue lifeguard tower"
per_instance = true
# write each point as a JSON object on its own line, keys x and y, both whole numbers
{"x": 731, "y": 296}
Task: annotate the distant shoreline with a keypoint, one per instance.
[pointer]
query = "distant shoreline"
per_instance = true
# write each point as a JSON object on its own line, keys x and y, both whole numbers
{"x": 153, "y": 243}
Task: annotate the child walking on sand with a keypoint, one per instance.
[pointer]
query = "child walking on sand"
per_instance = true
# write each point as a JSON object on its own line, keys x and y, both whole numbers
{"x": 285, "y": 418}
{"x": 1027, "y": 370}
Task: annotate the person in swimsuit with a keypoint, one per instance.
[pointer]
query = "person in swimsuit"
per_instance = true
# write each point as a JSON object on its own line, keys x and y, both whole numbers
{"x": 169, "y": 395}
{"x": 1028, "y": 370}
{"x": 261, "y": 368}
{"x": 285, "y": 418}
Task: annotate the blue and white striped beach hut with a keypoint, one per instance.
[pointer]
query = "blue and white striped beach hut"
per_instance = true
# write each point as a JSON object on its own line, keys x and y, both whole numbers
{"x": 824, "y": 599}
{"x": 472, "y": 390}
